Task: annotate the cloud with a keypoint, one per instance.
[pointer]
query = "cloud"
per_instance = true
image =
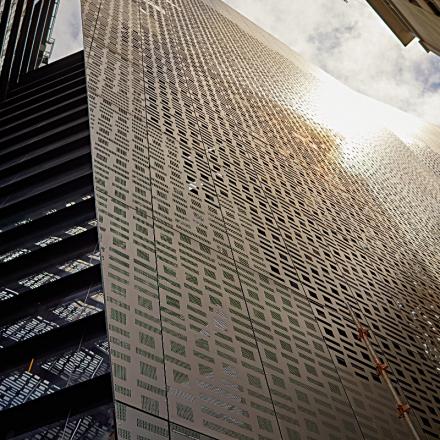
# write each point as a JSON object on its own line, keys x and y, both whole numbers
{"x": 351, "y": 43}
{"x": 347, "y": 40}
{"x": 67, "y": 29}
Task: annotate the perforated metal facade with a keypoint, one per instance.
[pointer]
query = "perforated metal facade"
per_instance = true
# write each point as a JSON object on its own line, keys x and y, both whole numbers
{"x": 238, "y": 221}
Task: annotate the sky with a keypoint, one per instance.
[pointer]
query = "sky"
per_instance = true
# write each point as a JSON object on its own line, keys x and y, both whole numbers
{"x": 346, "y": 39}
{"x": 67, "y": 29}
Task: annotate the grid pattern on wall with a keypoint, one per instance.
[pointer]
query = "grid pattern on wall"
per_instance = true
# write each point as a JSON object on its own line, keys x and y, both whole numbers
{"x": 237, "y": 223}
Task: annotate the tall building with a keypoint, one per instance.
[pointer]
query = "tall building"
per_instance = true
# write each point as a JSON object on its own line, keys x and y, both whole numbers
{"x": 54, "y": 356}
{"x": 253, "y": 215}
{"x": 409, "y": 19}
{"x": 25, "y": 37}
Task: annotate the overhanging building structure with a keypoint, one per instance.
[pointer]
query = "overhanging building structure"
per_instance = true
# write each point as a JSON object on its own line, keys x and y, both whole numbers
{"x": 251, "y": 213}
{"x": 409, "y": 19}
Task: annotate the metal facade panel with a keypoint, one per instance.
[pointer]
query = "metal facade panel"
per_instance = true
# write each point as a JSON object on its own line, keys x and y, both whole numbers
{"x": 238, "y": 221}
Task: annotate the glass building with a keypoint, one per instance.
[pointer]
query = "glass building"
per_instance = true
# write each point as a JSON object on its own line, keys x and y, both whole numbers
{"x": 197, "y": 229}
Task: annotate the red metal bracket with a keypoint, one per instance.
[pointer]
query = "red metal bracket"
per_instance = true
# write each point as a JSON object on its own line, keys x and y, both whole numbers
{"x": 380, "y": 368}
{"x": 402, "y": 409}
{"x": 363, "y": 333}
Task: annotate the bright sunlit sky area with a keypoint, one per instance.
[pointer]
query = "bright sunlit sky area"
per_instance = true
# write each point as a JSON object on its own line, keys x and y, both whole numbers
{"x": 346, "y": 39}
